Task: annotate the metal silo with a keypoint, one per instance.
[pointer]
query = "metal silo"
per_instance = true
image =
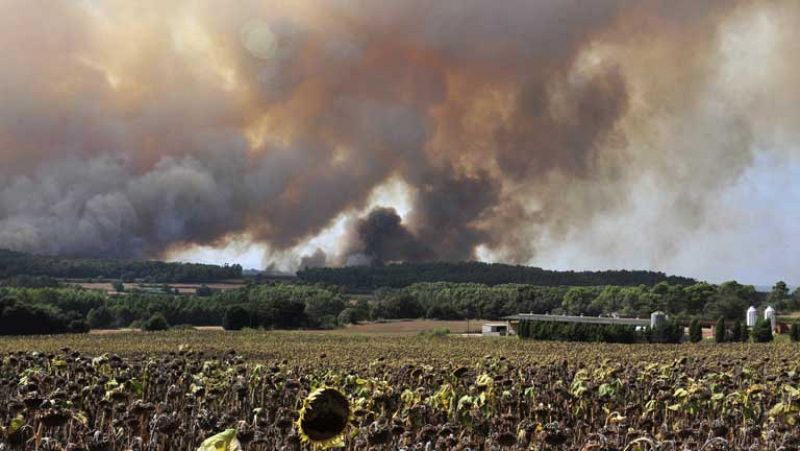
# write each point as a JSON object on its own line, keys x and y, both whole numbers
{"x": 769, "y": 315}
{"x": 657, "y": 318}
{"x": 752, "y": 317}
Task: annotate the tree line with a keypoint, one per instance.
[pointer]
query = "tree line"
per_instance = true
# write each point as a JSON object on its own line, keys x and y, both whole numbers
{"x": 559, "y": 331}
{"x": 404, "y": 274}
{"x": 15, "y": 264}
{"x": 443, "y": 300}
{"x": 302, "y": 305}
{"x": 279, "y": 306}
{"x": 669, "y": 331}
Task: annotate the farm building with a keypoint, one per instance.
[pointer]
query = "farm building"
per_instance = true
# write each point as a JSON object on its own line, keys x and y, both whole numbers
{"x": 641, "y": 323}
{"x": 579, "y": 319}
{"x": 495, "y": 329}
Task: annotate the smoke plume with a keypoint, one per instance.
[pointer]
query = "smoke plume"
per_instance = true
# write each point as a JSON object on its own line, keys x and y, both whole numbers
{"x": 563, "y": 130}
{"x": 380, "y": 237}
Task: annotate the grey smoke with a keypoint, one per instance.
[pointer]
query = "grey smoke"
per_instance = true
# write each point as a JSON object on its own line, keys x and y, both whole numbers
{"x": 526, "y": 129}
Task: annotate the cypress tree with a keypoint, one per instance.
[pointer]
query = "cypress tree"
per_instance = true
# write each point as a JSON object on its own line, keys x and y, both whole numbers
{"x": 719, "y": 331}
{"x": 738, "y": 333}
{"x": 695, "y": 331}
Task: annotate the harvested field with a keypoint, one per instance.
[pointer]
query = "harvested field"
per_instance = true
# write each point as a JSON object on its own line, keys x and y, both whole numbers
{"x": 183, "y": 288}
{"x": 413, "y": 327}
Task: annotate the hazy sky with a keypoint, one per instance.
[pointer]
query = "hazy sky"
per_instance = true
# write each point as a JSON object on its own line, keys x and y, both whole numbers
{"x": 565, "y": 134}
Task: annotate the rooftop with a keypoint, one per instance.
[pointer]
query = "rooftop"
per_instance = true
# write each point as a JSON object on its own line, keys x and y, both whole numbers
{"x": 579, "y": 319}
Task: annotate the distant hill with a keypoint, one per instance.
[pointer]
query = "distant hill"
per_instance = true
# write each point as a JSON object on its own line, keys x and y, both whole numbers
{"x": 404, "y": 274}
{"x": 18, "y": 263}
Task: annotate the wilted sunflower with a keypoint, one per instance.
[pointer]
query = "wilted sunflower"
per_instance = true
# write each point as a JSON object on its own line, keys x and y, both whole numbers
{"x": 324, "y": 417}
{"x": 224, "y": 441}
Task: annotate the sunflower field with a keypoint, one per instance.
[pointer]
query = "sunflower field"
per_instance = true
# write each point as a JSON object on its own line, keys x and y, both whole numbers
{"x": 189, "y": 390}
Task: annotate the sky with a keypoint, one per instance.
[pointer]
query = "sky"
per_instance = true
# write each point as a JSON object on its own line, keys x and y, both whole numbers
{"x": 661, "y": 135}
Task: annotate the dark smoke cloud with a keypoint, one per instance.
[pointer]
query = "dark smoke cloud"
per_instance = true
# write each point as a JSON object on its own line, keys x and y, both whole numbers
{"x": 316, "y": 260}
{"x": 381, "y": 237}
{"x": 448, "y": 212}
{"x": 142, "y": 128}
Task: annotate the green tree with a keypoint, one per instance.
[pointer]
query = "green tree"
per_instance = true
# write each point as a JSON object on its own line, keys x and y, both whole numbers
{"x": 666, "y": 332}
{"x": 236, "y": 318}
{"x": 762, "y": 331}
{"x": 578, "y": 300}
{"x": 731, "y": 300}
{"x": 794, "y": 332}
{"x": 19, "y": 319}
{"x": 347, "y": 316}
{"x": 118, "y": 286}
{"x": 794, "y": 302}
{"x": 779, "y": 296}
{"x": 283, "y": 313}
{"x": 320, "y": 307}
{"x": 100, "y": 317}
{"x": 719, "y": 331}
{"x": 156, "y": 322}
{"x": 401, "y": 305}
{"x": 738, "y": 333}
{"x": 695, "y": 331}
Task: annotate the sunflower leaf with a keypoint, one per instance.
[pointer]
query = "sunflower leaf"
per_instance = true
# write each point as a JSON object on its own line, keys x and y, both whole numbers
{"x": 224, "y": 441}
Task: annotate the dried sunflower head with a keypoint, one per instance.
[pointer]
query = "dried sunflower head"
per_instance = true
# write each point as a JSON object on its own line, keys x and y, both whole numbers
{"x": 324, "y": 418}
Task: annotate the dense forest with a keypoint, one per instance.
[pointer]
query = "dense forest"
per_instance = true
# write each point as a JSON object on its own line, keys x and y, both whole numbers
{"x": 18, "y": 264}
{"x": 359, "y": 278}
{"x": 279, "y": 306}
{"x": 299, "y": 305}
{"x": 468, "y": 300}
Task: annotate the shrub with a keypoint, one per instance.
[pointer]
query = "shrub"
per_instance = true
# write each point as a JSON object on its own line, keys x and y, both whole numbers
{"x": 78, "y": 326}
{"x": 438, "y": 332}
{"x": 347, "y": 316}
{"x": 762, "y": 332}
{"x": 156, "y": 322}
{"x": 182, "y": 327}
{"x": 236, "y": 318}
{"x": 327, "y": 322}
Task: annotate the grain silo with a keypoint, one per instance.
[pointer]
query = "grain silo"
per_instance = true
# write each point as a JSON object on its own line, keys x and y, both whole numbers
{"x": 752, "y": 317}
{"x": 657, "y": 319}
{"x": 769, "y": 315}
